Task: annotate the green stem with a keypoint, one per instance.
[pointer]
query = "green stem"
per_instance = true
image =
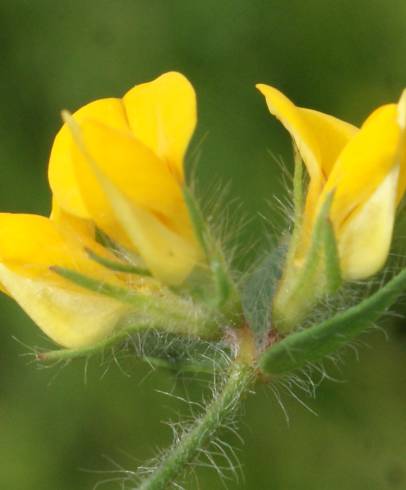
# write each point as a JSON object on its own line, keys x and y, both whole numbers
{"x": 198, "y": 436}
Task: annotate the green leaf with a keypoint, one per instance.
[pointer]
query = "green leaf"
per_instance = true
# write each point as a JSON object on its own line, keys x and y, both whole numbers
{"x": 311, "y": 345}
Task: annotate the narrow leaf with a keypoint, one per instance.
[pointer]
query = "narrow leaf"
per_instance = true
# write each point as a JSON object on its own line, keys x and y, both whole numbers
{"x": 313, "y": 344}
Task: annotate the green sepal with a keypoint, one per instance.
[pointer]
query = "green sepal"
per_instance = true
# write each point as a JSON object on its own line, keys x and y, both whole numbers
{"x": 331, "y": 259}
{"x": 313, "y": 344}
{"x": 166, "y": 310}
{"x": 198, "y": 222}
{"x": 159, "y": 349}
{"x": 317, "y": 246}
{"x": 121, "y": 252}
{"x": 224, "y": 295}
{"x": 298, "y": 194}
{"x": 90, "y": 350}
{"x": 319, "y": 275}
{"x": 123, "y": 295}
{"x": 115, "y": 265}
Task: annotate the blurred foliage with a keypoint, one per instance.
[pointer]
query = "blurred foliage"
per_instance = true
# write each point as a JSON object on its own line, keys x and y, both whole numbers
{"x": 66, "y": 429}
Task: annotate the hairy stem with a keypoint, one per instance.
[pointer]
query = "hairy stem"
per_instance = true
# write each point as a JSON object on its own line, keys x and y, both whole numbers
{"x": 186, "y": 449}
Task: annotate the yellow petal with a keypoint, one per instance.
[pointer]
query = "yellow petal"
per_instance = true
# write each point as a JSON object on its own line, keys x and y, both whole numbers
{"x": 318, "y": 136}
{"x": 29, "y": 245}
{"x": 138, "y": 174}
{"x": 61, "y": 171}
{"x": 290, "y": 116}
{"x": 33, "y": 241}
{"x": 365, "y": 237}
{"x": 402, "y": 146}
{"x": 332, "y": 135}
{"x": 70, "y": 317}
{"x": 81, "y": 226}
{"x": 364, "y": 163}
{"x": 132, "y": 167}
{"x": 167, "y": 254}
{"x": 162, "y": 114}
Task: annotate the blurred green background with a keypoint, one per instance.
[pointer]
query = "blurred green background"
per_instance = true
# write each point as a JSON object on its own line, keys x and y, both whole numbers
{"x": 74, "y": 427}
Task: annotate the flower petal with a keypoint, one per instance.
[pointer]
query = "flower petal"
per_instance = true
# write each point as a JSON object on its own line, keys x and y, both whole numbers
{"x": 364, "y": 163}
{"x": 81, "y": 226}
{"x": 162, "y": 114}
{"x": 318, "y": 136}
{"x": 332, "y": 135}
{"x": 61, "y": 171}
{"x": 70, "y": 317}
{"x": 168, "y": 255}
{"x": 29, "y": 245}
{"x": 144, "y": 179}
{"x": 27, "y": 239}
{"x": 402, "y": 146}
{"x": 365, "y": 238}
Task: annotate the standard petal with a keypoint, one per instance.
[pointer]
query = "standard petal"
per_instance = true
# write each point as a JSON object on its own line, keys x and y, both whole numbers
{"x": 135, "y": 170}
{"x": 162, "y": 114}
{"x": 365, "y": 238}
{"x": 300, "y": 130}
{"x": 318, "y": 136}
{"x": 402, "y": 146}
{"x": 169, "y": 256}
{"x": 61, "y": 171}
{"x": 364, "y": 163}
{"x": 332, "y": 135}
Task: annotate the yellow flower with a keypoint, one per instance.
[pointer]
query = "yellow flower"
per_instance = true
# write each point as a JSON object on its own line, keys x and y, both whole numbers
{"x": 71, "y": 316}
{"x": 364, "y": 169}
{"x": 117, "y": 166}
